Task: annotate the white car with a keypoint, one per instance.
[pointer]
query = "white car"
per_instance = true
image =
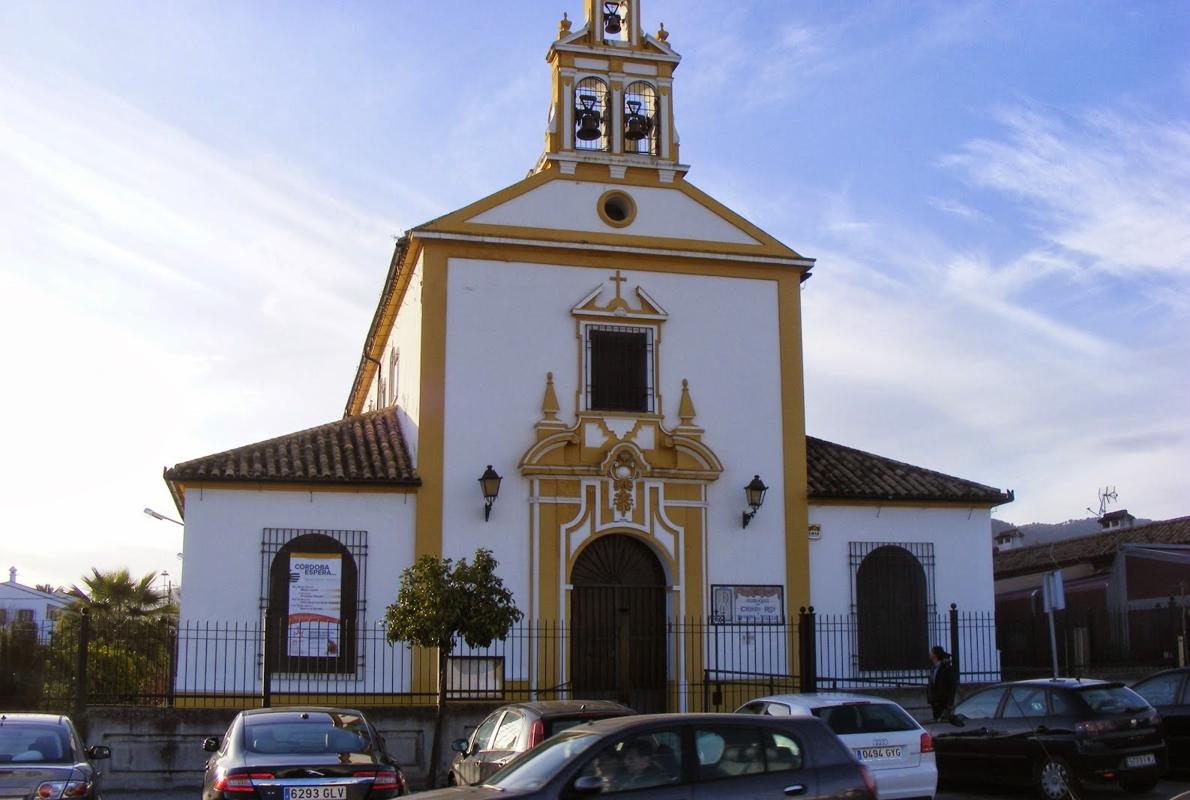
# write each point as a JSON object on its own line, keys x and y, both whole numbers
{"x": 881, "y": 734}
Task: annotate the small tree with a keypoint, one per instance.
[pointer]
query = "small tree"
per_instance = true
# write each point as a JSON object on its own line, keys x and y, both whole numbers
{"x": 440, "y": 600}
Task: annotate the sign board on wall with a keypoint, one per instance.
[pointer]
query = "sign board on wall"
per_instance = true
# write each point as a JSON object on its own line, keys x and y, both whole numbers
{"x": 742, "y": 604}
{"x": 315, "y": 593}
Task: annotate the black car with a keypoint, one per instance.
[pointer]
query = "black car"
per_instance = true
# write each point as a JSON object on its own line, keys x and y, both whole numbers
{"x": 300, "y": 753}
{"x": 1055, "y": 734}
{"x": 688, "y": 756}
{"x": 1169, "y": 693}
{"x": 518, "y": 727}
{"x": 41, "y": 755}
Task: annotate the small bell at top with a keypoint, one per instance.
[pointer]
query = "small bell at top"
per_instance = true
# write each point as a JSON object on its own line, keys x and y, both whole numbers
{"x": 611, "y": 17}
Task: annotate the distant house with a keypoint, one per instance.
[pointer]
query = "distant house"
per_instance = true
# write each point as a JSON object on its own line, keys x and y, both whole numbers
{"x": 1128, "y": 588}
{"x": 24, "y": 605}
{"x": 1117, "y": 519}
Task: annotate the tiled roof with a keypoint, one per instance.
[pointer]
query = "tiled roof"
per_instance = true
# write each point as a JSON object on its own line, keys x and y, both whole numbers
{"x": 1097, "y": 547}
{"x": 364, "y": 449}
{"x": 836, "y": 472}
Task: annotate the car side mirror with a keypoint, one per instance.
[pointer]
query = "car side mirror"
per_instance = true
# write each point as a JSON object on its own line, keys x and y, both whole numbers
{"x": 958, "y": 719}
{"x": 588, "y": 784}
{"x": 459, "y": 745}
{"x": 211, "y": 744}
{"x": 99, "y": 751}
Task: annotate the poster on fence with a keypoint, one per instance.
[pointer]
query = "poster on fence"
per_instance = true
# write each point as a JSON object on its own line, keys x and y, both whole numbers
{"x": 315, "y": 590}
{"x": 747, "y": 604}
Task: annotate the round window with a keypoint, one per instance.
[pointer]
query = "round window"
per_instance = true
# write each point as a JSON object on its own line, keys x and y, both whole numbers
{"x": 616, "y": 208}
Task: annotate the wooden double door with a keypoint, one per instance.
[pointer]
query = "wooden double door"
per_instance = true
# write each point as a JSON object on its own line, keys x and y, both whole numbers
{"x": 618, "y": 624}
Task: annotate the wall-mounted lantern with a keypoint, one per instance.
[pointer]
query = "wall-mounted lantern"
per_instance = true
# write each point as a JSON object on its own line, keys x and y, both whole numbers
{"x": 489, "y": 482}
{"x": 754, "y": 492}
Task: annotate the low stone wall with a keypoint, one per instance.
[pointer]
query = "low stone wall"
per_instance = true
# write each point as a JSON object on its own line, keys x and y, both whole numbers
{"x": 162, "y": 748}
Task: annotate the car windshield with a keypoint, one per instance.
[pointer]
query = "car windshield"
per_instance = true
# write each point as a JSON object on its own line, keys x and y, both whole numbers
{"x": 533, "y": 769}
{"x": 865, "y": 718}
{"x": 1112, "y": 698}
{"x": 339, "y": 734}
{"x": 34, "y": 744}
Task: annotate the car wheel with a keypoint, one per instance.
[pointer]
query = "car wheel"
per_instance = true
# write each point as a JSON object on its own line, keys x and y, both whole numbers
{"x": 1053, "y": 779}
{"x": 1139, "y": 786}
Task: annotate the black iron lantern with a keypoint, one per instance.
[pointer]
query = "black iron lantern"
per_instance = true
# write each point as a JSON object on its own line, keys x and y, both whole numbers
{"x": 489, "y": 482}
{"x": 754, "y": 492}
{"x": 588, "y": 118}
{"x": 636, "y": 125}
{"x": 611, "y": 17}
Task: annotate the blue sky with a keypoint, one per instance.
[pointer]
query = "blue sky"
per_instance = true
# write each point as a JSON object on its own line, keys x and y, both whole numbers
{"x": 199, "y": 202}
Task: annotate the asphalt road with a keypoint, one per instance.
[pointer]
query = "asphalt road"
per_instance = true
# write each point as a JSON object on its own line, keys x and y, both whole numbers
{"x": 1169, "y": 789}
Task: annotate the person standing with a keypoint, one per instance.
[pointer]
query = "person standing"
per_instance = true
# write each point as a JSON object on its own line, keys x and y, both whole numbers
{"x": 943, "y": 683}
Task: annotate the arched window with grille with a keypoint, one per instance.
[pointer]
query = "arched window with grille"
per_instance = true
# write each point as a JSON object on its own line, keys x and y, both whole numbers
{"x": 640, "y": 118}
{"x": 591, "y": 115}
{"x": 893, "y": 600}
{"x": 314, "y": 583}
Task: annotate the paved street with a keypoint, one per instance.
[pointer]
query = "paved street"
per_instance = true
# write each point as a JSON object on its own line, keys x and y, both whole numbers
{"x": 1168, "y": 790}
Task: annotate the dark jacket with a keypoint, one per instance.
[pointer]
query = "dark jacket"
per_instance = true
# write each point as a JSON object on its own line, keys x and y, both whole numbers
{"x": 941, "y": 690}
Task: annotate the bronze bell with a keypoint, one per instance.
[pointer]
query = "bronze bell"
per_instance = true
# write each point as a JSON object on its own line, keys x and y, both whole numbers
{"x": 636, "y": 125}
{"x": 611, "y": 18}
{"x": 588, "y": 119}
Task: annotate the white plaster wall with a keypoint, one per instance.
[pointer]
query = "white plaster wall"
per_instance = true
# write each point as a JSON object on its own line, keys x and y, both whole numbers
{"x": 223, "y": 536}
{"x": 14, "y": 598}
{"x": 571, "y": 205}
{"x": 219, "y": 639}
{"x": 406, "y": 338}
{"x": 962, "y": 574}
{"x": 510, "y": 323}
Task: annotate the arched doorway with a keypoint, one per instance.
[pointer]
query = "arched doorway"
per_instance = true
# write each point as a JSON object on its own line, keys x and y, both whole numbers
{"x": 891, "y": 607}
{"x": 617, "y": 628}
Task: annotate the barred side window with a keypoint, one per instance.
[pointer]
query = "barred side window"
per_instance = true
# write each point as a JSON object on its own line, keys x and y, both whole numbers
{"x": 619, "y": 368}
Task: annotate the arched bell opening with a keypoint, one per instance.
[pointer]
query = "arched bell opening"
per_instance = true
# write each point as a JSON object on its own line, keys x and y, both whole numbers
{"x": 591, "y": 115}
{"x": 618, "y": 623}
{"x": 640, "y": 118}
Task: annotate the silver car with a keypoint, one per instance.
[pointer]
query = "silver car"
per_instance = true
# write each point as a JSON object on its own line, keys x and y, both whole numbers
{"x": 883, "y": 736}
{"x": 687, "y": 756}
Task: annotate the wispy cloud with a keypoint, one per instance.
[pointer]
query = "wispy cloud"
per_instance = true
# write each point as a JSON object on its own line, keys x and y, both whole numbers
{"x": 1110, "y": 189}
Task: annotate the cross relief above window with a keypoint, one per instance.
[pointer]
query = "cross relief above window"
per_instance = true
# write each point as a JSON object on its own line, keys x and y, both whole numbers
{"x": 619, "y": 358}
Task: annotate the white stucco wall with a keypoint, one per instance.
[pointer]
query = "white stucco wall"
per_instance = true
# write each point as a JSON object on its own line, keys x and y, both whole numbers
{"x": 223, "y": 537}
{"x": 962, "y": 574}
{"x": 571, "y": 205}
{"x": 405, "y": 339}
{"x": 223, "y": 572}
{"x": 511, "y": 323}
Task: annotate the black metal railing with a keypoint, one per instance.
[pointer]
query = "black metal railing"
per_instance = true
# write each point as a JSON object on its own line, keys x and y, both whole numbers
{"x": 77, "y": 662}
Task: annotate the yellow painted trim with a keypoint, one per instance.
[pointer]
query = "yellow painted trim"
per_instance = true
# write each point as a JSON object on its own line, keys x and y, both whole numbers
{"x": 460, "y": 221}
{"x": 616, "y": 194}
{"x": 793, "y": 429}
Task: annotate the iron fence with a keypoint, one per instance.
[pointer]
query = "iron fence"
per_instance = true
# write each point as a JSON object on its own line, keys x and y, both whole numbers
{"x": 706, "y": 664}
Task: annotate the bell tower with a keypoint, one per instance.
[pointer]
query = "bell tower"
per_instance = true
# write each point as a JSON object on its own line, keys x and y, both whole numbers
{"x": 611, "y": 110}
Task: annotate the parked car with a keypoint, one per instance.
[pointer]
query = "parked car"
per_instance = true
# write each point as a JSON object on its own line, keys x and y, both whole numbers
{"x": 515, "y": 728}
{"x": 688, "y": 756}
{"x": 1056, "y": 734}
{"x": 1169, "y": 693}
{"x": 300, "y": 753}
{"x": 882, "y": 735}
{"x": 43, "y": 756}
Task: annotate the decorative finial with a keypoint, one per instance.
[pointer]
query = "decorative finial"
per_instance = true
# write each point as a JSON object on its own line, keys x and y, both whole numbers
{"x": 549, "y": 403}
{"x": 686, "y": 405}
{"x": 564, "y": 25}
{"x": 662, "y": 33}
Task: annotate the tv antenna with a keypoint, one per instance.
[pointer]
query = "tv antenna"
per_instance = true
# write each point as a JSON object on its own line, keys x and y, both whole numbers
{"x": 1106, "y": 495}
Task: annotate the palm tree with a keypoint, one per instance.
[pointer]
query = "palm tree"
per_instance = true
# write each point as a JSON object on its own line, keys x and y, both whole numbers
{"x": 114, "y": 597}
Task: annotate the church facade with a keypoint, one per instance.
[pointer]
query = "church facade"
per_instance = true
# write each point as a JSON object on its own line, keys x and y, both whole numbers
{"x": 625, "y": 352}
